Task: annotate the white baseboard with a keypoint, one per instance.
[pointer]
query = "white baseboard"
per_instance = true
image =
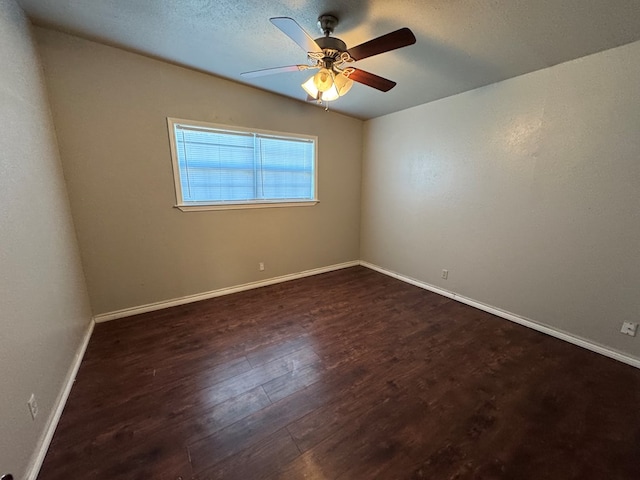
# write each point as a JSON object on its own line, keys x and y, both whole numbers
{"x": 38, "y": 457}
{"x": 527, "y": 322}
{"x": 127, "y": 312}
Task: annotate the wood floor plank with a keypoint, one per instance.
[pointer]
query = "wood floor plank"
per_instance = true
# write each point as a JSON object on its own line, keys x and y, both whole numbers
{"x": 254, "y": 428}
{"x": 222, "y": 415}
{"x": 362, "y": 446}
{"x": 294, "y": 380}
{"x": 267, "y": 354}
{"x": 257, "y": 462}
{"x": 261, "y": 374}
{"x": 346, "y": 375}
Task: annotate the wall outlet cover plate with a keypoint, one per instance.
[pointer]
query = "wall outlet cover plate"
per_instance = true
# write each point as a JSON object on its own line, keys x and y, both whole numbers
{"x": 629, "y": 328}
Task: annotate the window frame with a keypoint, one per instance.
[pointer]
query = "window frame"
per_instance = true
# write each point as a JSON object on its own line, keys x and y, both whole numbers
{"x": 236, "y": 204}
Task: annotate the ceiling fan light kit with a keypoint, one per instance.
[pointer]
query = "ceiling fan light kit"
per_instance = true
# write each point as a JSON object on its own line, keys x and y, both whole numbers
{"x": 323, "y": 80}
{"x": 327, "y": 86}
{"x": 343, "y": 84}
{"x": 331, "y": 57}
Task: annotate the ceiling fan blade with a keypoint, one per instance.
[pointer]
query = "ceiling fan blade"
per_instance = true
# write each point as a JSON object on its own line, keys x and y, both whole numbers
{"x": 271, "y": 71}
{"x": 296, "y": 33}
{"x": 371, "y": 80}
{"x": 385, "y": 43}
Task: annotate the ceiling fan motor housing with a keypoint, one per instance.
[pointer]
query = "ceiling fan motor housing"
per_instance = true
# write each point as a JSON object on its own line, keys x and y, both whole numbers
{"x": 331, "y": 43}
{"x": 332, "y": 48}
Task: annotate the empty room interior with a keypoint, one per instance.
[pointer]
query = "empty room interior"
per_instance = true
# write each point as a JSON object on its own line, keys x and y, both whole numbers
{"x": 324, "y": 240}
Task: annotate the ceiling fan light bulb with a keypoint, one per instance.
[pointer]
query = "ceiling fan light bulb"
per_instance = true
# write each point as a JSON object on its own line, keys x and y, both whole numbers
{"x": 331, "y": 94}
{"x": 343, "y": 84}
{"x": 323, "y": 79}
{"x": 310, "y": 87}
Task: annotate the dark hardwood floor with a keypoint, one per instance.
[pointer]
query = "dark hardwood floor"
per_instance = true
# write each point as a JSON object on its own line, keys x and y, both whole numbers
{"x": 345, "y": 375}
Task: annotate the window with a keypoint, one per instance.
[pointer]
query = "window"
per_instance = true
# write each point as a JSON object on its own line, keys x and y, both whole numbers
{"x": 216, "y": 167}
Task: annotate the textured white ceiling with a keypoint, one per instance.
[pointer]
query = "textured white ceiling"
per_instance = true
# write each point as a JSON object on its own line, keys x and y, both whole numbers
{"x": 461, "y": 44}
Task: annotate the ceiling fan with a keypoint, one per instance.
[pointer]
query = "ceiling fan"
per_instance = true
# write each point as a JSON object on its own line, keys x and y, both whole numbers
{"x": 331, "y": 57}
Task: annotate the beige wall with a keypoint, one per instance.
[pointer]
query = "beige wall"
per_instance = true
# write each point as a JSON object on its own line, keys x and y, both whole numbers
{"x": 527, "y": 191}
{"x": 110, "y": 109}
{"x": 44, "y": 307}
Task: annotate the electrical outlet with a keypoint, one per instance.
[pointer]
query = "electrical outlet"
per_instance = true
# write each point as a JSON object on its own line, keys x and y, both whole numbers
{"x": 261, "y": 266}
{"x": 445, "y": 274}
{"x": 629, "y": 328}
{"x": 33, "y": 406}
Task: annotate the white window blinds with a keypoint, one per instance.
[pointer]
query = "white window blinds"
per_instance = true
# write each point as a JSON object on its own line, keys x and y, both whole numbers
{"x": 231, "y": 166}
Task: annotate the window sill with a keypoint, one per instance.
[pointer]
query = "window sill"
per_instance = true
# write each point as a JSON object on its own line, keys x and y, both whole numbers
{"x": 240, "y": 206}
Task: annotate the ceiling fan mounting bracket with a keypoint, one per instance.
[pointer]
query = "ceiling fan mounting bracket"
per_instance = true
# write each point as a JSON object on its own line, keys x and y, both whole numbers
{"x": 327, "y": 23}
